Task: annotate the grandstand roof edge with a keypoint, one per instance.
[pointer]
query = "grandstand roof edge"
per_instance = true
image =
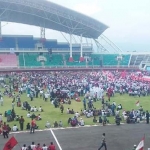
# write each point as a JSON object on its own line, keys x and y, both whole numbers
{"x": 55, "y": 17}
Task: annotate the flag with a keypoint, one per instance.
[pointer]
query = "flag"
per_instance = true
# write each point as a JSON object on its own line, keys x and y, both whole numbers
{"x": 137, "y": 103}
{"x": 12, "y": 142}
{"x": 141, "y": 144}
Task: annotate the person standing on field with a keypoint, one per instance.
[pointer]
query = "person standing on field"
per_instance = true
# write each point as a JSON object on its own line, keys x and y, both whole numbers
{"x": 21, "y": 122}
{"x": 103, "y": 142}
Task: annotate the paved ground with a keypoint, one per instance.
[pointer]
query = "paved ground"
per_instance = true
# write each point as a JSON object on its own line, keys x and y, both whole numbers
{"x": 121, "y": 137}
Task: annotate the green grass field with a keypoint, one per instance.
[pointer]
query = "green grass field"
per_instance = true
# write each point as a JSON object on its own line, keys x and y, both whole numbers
{"x": 52, "y": 114}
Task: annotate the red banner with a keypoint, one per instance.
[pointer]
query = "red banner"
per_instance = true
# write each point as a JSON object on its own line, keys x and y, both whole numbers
{"x": 12, "y": 142}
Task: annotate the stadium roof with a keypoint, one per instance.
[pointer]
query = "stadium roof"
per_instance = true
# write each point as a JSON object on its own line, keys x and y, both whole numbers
{"x": 46, "y": 14}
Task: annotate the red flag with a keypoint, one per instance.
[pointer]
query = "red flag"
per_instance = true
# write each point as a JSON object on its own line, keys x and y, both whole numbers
{"x": 12, "y": 142}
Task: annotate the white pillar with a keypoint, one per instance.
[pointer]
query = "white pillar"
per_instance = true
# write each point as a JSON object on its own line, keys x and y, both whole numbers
{"x": 42, "y": 30}
{"x": 70, "y": 45}
{"x": 0, "y": 29}
{"x": 81, "y": 53}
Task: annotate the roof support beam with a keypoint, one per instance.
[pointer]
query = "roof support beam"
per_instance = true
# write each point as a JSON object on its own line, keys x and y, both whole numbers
{"x": 71, "y": 58}
{"x": 81, "y": 51}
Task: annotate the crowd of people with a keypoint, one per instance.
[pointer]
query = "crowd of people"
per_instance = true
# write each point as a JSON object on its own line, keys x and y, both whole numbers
{"x": 60, "y": 88}
{"x": 33, "y": 146}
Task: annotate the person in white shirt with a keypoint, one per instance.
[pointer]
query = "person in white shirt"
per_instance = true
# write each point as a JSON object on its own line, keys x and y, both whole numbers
{"x": 32, "y": 109}
{"x": 88, "y": 115}
{"x": 46, "y": 96}
{"x": 35, "y": 109}
{"x": 44, "y": 147}
{"x": 68, "y": 111}
{"x": 1, "y": 101}
{"x": 117, "y": 112}
{"x": 48, "y": 125}
{"x": 39, "y": 117}
{"x": 77, "y": 114}
{"x": 41, "y": 93}
{"x": 81, "y": 122}
{"x": 14, "y": 128}
{"x": 1, "y": 117}
{"x": 114, "y": 103}
{"x": 28, "y": 115}
{"x": 24, "y": 147}
{"x": 33, "y": 145}
{"x": 40, "y": 109}
{"x": 125, "y": 117}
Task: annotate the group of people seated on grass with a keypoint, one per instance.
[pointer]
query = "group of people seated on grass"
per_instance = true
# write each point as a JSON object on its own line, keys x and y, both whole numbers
{"x": 38, "y": 146}
{"x": 56, "y": 124}
{"x": 75, "y": 122}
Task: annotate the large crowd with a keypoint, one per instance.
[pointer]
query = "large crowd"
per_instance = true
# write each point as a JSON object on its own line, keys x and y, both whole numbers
{"x": 63, "y": 87}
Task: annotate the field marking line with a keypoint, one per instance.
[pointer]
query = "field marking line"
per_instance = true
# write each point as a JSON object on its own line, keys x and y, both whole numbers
{"x": 55, "y": 139}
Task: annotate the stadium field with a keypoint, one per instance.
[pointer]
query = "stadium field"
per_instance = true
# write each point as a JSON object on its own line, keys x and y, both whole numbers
{"x": 52, "y": 114}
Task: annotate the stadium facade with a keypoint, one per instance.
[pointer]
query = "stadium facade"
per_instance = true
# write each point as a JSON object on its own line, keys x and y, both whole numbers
{"x": 27, "y": 51}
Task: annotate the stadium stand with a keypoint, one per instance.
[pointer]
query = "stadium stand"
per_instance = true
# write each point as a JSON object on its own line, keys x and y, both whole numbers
{"x": 7, "y": 42}
{"x": 36, "y": 60}
{"x": 76, "y": 61}
{"x": 25, "y": 42}
{"x": 32, "y": 59}
{"x": 137, "y": 59}
{"x": 109, "y": 59}
{"x": 29, "y": 60}
{"x": 53, "y": 60}
{"x": 8, "y": 60}
{"x": 28, "y": 42}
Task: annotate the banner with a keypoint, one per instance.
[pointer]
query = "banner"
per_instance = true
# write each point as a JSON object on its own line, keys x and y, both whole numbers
{"x": 12, "y": 142}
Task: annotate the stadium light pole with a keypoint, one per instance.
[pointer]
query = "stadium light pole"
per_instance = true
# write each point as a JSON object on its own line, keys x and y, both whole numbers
{"x": 70, "y": 58}
{"x": 81, "y": 51}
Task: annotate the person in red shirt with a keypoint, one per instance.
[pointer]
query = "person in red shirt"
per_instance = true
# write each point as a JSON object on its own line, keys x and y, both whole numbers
{"x": 38, "y": 147}
{"x": 5, "y": 130}
{"x": 51, "y": 147}
{"x": 33, "y": 124}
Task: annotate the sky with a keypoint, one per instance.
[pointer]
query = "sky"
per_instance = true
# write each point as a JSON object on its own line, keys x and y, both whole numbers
{"x": 128, "y": 21}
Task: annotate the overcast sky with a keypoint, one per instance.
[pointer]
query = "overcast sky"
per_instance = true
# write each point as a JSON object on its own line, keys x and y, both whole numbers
{"x": 128, "y": 21}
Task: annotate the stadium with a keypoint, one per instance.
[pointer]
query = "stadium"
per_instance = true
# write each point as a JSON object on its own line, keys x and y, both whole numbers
{"x": 25, "y": 59}
{"x": 28, "y": 52}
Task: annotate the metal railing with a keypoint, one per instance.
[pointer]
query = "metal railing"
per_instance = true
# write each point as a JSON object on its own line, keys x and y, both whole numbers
{"x": 67, "y": 66}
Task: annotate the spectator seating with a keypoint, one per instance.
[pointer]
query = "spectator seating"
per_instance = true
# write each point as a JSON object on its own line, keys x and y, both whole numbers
{"x": 8, "y": 60}
{"x": 109, "y": 59}
{"x": 7, "y": 42}
{"x": 53, "y": 60}
{"x": 29, "y": 59}
{"x": 25, "y": 42}
{"x": 137, "y": 59}
{"x": 76, "y": 61}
